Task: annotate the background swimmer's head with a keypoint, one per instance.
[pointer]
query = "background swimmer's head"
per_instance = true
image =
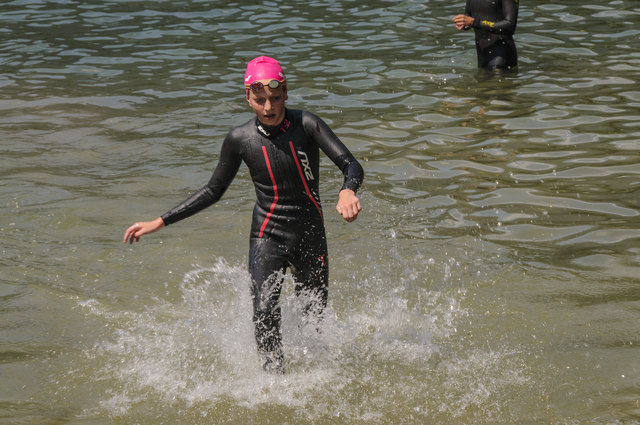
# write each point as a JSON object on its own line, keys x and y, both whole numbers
{"x": 263, "y": 69}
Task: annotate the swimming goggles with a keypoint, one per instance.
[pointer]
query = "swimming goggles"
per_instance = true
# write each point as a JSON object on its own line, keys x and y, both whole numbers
{"x": 258, "y": 85}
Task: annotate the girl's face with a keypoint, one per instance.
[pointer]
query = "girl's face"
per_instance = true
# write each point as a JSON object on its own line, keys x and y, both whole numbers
{"x": 268, "y": 104}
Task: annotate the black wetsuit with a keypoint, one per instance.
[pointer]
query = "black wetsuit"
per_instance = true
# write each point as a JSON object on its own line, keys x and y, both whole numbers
{"x": 288, "y": 227}
{"x": 494, "y": 25}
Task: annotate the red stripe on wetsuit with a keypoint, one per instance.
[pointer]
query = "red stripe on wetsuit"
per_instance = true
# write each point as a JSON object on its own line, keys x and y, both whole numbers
{"x": 275, "y": 192}
{"x": 275, "y": 187}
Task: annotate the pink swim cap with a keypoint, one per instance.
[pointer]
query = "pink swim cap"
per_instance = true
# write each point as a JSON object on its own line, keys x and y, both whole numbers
{"x": 263, "y": 68}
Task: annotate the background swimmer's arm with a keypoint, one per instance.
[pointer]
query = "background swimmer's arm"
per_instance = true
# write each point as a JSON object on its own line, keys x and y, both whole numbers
{"x": 464, "y": 21}
{"x": 467, "y": 8}
{"x": 505, "y": 26}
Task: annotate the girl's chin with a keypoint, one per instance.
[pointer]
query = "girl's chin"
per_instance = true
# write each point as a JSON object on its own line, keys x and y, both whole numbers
{"x": 270, "y": 120}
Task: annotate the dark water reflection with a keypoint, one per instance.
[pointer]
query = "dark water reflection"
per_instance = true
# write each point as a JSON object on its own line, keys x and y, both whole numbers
{"x": 493, "y": 277}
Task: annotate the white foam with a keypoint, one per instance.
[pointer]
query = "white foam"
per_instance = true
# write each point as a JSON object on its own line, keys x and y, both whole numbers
{"x": 393, "y": 345}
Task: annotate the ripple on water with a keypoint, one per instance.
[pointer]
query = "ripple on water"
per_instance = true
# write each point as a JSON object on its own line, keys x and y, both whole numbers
{"x": 496, "y": 256}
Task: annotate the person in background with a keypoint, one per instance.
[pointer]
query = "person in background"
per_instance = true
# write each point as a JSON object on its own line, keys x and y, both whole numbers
{"x": 494, "y": 23}
{"x": 281, "y": 147}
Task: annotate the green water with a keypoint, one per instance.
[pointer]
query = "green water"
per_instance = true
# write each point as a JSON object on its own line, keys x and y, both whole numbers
{"x": 492, "y": 278}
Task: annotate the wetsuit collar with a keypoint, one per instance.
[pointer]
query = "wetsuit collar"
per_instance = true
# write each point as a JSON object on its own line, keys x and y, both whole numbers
{"x": 274, "y": 131}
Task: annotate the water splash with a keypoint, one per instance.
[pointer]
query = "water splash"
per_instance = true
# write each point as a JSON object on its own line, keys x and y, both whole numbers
{"x": 378, "y": 357}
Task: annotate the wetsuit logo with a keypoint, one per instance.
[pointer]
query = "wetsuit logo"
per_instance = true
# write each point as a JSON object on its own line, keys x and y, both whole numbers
{"x": 285, "y": 125}
{"x": 263, "y": 131}
{"x": 304, "y": 160}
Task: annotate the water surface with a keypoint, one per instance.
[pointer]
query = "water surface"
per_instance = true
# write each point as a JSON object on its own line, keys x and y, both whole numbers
{"x": 491, "y": 278}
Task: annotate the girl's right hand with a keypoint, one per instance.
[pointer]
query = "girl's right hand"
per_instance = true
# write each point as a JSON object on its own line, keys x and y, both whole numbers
{"x": 136, "y": 230}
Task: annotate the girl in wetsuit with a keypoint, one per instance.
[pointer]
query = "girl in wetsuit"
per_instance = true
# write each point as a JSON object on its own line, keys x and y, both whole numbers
{"x": 494, "y": 23}
{"x": 281, "y": 148}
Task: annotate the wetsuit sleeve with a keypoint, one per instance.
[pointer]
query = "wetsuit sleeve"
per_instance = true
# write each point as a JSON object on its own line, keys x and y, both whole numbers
{"x": 507, "y": 25}
{"x": 467, "y": 11}
{"x": 208, "y": 195}
{"x": 467, "y": 8}
{"x": 331, "y": 145}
